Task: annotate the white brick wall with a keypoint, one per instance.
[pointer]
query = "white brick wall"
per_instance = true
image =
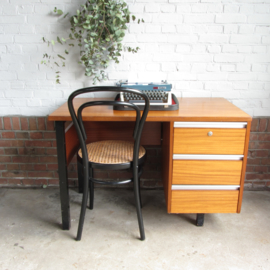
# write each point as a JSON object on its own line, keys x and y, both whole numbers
{"x": 205, "y": 48}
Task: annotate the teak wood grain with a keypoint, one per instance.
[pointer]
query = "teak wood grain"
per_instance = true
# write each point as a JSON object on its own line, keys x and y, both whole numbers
{"x": 204, "y": 201}
{"x": 196, "y": 141}
{"x": 206, "y": 172}
{"x": 190, "y": 109}
{"x": 244, "y": 168}
{"x": 167, "y": 143}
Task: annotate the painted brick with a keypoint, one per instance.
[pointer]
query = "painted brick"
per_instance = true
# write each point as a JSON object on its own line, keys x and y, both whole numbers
{"x": 231, "y": 18}
{"x": 206, "y": 18}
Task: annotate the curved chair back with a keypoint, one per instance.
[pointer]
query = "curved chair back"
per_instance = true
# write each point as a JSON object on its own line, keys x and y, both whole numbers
{"x": 77, "y": 119}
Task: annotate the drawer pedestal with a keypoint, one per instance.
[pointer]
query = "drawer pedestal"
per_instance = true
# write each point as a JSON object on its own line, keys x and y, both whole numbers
{"x": 208, "y": 167}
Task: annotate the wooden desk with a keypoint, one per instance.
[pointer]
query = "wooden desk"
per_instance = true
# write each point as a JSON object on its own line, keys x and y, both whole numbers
{"x": 204, "y": 144}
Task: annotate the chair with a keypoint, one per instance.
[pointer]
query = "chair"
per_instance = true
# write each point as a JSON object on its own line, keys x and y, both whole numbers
{"x": 109, "y": 155}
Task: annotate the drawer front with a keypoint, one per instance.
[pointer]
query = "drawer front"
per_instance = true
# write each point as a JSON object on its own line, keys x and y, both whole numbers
{"x": 222, "y": 141}
{"x": 204, "y": 201}
{"x": 206, "y": 172}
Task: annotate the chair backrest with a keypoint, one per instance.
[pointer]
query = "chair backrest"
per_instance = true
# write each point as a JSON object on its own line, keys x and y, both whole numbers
{"x": 77, "y": 119}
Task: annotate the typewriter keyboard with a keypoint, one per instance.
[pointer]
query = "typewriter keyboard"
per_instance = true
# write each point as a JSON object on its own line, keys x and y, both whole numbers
{"x": 155, "y": 96}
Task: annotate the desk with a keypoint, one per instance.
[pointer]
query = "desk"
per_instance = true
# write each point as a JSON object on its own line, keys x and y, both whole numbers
{"x": 204, "y": 150}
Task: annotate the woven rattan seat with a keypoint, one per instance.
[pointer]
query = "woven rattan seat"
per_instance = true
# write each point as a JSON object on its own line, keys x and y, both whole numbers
{"x": 111, "y": 152}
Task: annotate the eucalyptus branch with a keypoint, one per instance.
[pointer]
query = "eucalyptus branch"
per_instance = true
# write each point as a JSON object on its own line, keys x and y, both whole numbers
{"x": 98, "y": 27}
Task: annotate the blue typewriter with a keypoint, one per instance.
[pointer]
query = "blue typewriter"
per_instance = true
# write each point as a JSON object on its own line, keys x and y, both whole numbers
{"x": 159, "y": 94}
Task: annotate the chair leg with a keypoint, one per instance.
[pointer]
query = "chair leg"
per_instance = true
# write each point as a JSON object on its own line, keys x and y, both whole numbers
{"x": 84, "y": 202}
{"x": 91, "y": 191}
{"x": 139, "y": 182}
{"x": 82, "y": 214}
{"x": 80, "y": 176}
{"x": 138, "y": 204}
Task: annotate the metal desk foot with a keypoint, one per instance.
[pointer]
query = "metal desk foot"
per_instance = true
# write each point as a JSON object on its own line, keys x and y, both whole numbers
{"x": 200, "y": 219}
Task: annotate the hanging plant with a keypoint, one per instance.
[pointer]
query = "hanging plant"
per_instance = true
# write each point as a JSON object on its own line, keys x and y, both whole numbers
{"x": 97, "y": 29}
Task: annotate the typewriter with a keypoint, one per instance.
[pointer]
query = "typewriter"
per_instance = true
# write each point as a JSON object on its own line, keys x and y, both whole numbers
{"x": 159, "y": 95}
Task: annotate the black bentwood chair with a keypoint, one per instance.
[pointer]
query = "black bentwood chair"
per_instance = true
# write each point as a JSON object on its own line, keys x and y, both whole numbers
{"x": 111, "y": 154}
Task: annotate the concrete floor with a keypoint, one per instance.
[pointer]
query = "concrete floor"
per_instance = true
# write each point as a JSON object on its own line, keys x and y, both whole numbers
{"x": 31, "y": 235}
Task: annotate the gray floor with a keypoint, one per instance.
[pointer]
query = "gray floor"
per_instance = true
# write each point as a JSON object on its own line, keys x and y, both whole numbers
{"x": 31, "y": 235}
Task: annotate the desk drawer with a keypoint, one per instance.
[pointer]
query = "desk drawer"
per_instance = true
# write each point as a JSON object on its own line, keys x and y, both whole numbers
{"x": 222, "y": 141}
{"x": 204, "y": 201}
{"x": 206, "y": 172}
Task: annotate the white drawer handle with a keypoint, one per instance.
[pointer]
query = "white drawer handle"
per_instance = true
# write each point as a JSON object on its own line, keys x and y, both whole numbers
{"x": 205, "y": 187}
{"x": 210, "y": 124}
{"x": 210, "y": 133}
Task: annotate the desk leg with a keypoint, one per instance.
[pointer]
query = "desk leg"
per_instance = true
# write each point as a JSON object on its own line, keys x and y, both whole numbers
{"x": 200, "y": 219}
{"x": 62, "y": 170}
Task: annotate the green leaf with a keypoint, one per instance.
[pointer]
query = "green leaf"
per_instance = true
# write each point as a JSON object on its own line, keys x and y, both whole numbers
{"x": 58, "y": 39}
{"x": 52, "y": 41}
{"x": 60, "y": 56}
{"x": 59, "y": 12}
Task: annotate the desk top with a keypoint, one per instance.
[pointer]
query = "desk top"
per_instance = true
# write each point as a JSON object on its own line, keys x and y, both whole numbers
{"x": 190, "y": 109}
